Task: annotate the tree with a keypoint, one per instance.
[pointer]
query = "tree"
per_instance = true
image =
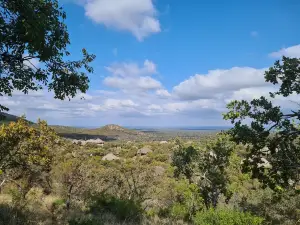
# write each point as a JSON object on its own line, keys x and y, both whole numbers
{"x": 212, "y": 164}
{"x": 184, "y": 160}
{"x": 26, "y": 152}
{"x": 35, "y": 30}
{"x": 206, "y": 168}
{"x": 271, "y": 135}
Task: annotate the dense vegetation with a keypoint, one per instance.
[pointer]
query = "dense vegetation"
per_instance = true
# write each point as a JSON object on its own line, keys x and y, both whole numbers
{"x": 46, "y": 179}
{"x": 248, "y": 175}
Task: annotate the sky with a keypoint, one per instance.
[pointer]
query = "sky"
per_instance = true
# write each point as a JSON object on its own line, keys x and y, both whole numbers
{"x": 168, "y": 63}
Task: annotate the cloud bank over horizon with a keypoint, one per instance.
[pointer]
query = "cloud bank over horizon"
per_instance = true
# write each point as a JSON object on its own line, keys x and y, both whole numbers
{"x": 135, "y": 95}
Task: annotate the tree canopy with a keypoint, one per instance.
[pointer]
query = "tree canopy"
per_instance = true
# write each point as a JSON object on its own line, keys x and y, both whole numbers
{"x": 35, "y": 30}
{"x": 271, "y": 134}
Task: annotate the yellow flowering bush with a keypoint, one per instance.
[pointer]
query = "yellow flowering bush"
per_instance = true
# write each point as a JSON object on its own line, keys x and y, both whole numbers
{"x": 24, "y": 146}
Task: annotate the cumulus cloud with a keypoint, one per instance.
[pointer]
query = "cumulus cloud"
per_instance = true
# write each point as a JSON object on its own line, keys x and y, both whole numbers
{"x": 197, "y": 105}
{"x": 163, "y": 93}
{"x": 136, "y": 16}
{"x": 140, "y": 99}
{"x": 141, "y": 83}
{"x": 109, "y": 104}
{"x": 155, "y": 108}
{"x": 132, "y": 77}
{"x": 293, "y": 52}
{"x": 249, "y": 93}
{"x": 132, "y": 69}
{"x": 32, "y": 63}
{"x": 206, "y": 86}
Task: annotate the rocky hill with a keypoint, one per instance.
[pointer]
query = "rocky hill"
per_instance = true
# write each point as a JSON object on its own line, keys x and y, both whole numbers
{"x": 113, "y": 127}
{"x": 108, "y": 132}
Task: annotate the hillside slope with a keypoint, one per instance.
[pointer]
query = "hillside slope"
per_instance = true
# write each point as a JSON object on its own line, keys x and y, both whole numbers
{"x": 108, "y": 132}
{"x": 7, "y": 118}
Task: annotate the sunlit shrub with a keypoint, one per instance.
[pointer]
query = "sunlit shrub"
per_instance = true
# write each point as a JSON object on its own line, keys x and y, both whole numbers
{"x": 226, "y": 217}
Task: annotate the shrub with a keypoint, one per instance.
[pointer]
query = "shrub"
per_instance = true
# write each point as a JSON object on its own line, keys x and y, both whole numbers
{"x": 85, "y": 221}
{"x": 23, "y": 146}
{"x": 122, "y": 209}
{"x": 161, "y": 157}
{"x": 179, "y": 211}
{"x": 186, "y": 202}
{"x": 226, "y": 217}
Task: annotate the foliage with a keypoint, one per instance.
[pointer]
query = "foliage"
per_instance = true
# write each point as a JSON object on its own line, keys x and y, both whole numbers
{"x": 228, "y": 217}
{"x": 280, "y": 208}
{"x": 206, "y": 168}
{"x": 213, "y": 163}
{"x": 122, "y": 209}
{"x": 187, "y": 201}
{"x": 81, "y": 188}
{"x": 184, "y": 161}
{"x": 26, "y": 147}
{"x": 35, "y": 30}
{"x": 84, "y": 221}
{"x": 272, "y": 135}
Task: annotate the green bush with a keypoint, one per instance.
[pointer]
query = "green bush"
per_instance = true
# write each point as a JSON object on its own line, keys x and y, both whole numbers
{"x": 161, "y": 157}
{"x": 122, "y": 209}
{"x": 179, "y": 211}
{"x": 85, "y": 221}
{"x": 226, "y": 217}
{"x": 186, "y": 202}
{"x": 58, "y": 202}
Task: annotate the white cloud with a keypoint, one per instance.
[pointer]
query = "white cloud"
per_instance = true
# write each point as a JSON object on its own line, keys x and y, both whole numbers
{"x": 32, "y": 63}
{"x": 38, "y": 93}
{"x": 155, "y": 108}
{"x": 203, "y": 86}
{"x": 197, "y": 105}
{"x": 131, "y": 108}
{"x": 141, "y": 83}
{"x": 110, "y": 104}
{"x": 250, "y": 93}
{"x": 132, "y": 69}
{"x": 8, "y": 102}
{"x": 163, "y": 93}
{"x": 82, "y": 96}
{"x": 136, "y": 16}
{"x": 116, "y": 103}
{"x": 293, "y": 52}
{"x": 132, "y": 77}
{"x": 142, "y": 100}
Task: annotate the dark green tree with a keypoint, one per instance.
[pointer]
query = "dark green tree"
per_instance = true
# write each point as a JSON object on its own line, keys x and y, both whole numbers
{"x": 35, "y": 30}
{"x": 184, "y": 160}
{"x": 271, "y": 133}
{"x": 212, "y": 164}
{"x": 206, "y": 168}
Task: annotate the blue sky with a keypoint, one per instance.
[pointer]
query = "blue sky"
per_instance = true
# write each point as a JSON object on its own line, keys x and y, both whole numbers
{"x": 169, "y": 62}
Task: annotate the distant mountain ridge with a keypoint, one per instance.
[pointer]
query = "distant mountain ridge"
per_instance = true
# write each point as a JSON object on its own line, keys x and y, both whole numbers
{"x": 108, "y": 132}
{"x": 7, "y": 118}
